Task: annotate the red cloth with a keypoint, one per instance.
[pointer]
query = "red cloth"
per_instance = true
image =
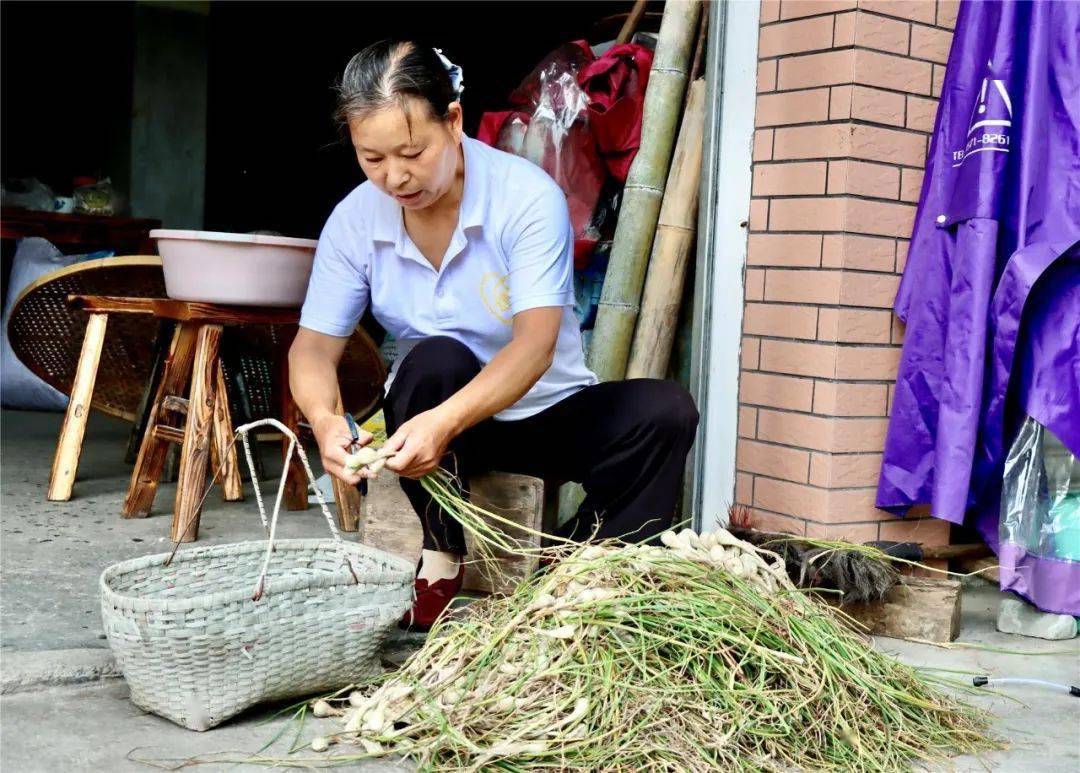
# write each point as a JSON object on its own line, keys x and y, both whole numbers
{"x": 491, "y": 125}
{"x": 615, "y": 84}
{"x": 592, "y": 113}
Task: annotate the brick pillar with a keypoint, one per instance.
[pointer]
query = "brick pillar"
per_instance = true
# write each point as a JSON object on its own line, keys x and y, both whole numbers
{"x": 846, "y": 101}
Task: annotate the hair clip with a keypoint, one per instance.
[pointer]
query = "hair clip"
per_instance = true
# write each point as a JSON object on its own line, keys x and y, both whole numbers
{"x": 457, "y": 82}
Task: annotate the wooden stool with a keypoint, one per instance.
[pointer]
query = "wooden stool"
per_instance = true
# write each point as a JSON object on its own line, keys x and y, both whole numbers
{"x": 391, "y": 524}
{"x": 207, "y": 432}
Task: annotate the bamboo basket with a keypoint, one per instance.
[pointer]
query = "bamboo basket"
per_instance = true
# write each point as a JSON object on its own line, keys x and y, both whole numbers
{"x": 224, "y": 627}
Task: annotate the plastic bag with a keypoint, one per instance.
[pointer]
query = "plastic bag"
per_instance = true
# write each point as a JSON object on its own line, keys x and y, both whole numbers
{"x": 19, "y": 387}
{"x": 550, "y": 127}
{"x": 97, "y": 198}
{"x": 1040, "y": 499}
{"x": 578, "y": 117}
{"x": 28, "y": 193}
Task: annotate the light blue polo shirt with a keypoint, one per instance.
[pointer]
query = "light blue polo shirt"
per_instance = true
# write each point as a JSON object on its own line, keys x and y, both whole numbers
{"x": 512, "y": 250}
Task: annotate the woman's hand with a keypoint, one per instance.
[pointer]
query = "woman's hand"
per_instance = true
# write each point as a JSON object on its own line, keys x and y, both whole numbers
{"x": 420, "y": 444}
{"x": 333, "y": 436}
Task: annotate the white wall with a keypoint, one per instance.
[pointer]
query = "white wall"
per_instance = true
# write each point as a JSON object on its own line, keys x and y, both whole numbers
{"x": 729, "y": 145}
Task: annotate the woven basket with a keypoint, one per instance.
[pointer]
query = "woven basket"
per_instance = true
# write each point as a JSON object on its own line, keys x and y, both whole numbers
{"x": 217, "y": 629}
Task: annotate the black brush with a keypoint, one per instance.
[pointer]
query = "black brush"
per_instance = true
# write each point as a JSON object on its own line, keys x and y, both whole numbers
{"x": 859, "y": 573}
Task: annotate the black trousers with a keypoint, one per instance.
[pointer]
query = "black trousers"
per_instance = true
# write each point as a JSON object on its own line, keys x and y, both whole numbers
{"x": 625, "y": 441}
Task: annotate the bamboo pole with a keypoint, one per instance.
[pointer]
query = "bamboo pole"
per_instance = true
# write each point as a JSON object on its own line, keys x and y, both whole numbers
{"x": 644, "y": 191}
{"x": 698, "y": 61}
{"x": 655, "y": 332}
{"x": 632, "y": 21}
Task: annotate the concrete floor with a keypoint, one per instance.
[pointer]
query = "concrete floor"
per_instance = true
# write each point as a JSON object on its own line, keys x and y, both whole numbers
{"x": 55, "y": 667}
{"x": 104, "y": 731}
{"x": 1041, "y": 727}
{"x": 52, "y": 553}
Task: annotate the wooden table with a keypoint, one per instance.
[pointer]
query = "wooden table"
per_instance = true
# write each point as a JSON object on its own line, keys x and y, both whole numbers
{"x": 126, "y": 235}
{"x": 206, "y": 434}
{"x": 75, "y": 232}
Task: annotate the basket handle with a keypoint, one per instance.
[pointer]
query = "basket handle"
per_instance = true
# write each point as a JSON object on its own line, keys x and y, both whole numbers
{"x": 271, "y": 526}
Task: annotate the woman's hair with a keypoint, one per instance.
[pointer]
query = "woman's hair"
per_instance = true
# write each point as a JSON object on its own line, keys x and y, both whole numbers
{"x": 387, "y": 73}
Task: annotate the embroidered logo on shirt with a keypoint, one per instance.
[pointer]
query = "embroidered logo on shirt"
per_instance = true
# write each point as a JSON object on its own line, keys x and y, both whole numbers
{"x": 495, "y": 293}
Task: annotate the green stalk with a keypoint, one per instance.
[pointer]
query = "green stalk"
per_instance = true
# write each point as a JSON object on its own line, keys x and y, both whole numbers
{"x": 482, "y": 525}
{"x": 689, "y": 669}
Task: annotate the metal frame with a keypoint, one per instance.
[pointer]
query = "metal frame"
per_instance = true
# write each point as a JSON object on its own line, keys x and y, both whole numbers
{"x": 731, "y": 73}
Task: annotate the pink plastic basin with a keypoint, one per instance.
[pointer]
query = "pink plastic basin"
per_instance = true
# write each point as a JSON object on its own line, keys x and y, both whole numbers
{"x": 241, "y": 269}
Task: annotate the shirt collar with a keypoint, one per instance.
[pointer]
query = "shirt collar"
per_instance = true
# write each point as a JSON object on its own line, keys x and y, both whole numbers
{"x": 475, "y": 194}
{"x": 389, "y": 224}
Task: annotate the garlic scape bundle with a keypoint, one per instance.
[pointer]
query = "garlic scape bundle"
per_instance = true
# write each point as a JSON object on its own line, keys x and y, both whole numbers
{"x": 740, "y": 559}
{"x": 374, "y": 459}
{"x": 695, "y": 655}
{"x": 491, "y": 533}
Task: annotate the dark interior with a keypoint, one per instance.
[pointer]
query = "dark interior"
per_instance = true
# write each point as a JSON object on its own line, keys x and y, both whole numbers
{"x": 274, "y": 159}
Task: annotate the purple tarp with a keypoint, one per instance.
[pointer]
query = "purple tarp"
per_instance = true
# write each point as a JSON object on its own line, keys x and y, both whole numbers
{"x": 992, "y": 285}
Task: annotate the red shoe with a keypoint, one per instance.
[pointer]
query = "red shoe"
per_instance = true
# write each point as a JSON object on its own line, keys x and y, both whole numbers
{"x": 432, "y": 599}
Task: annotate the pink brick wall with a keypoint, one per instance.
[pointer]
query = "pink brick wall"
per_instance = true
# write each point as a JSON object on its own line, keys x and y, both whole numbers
{"x": 846, "y": 99}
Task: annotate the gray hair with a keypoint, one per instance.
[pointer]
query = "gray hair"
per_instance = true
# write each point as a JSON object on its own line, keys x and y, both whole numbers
{"x": 386, "y": 73}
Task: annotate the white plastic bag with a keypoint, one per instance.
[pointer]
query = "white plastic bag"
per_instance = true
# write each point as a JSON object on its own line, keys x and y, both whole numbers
{"x": 28, "y": 193}
{"x": 19, "y": 387}
{"x": 1040, "y": 498}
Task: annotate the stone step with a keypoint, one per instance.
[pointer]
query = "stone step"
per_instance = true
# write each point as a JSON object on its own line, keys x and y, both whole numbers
{"x": 1017, "y": 616}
